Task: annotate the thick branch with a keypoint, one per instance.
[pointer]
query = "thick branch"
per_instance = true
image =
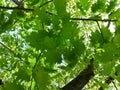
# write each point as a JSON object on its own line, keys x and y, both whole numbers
{"x": 82, "y": 79}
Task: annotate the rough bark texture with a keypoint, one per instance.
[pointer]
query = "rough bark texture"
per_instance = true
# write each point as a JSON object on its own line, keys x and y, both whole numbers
{"x": 82, "y": 79}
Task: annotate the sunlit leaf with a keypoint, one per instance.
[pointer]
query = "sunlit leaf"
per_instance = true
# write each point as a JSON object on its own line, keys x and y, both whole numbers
{"x": 115, "y": 14}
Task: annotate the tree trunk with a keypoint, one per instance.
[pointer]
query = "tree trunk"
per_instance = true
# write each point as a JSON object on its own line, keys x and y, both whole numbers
{"x": 82, "y": 79}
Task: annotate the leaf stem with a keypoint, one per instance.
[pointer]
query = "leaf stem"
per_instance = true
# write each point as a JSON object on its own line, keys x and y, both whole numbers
{"x": 100, "y": 30}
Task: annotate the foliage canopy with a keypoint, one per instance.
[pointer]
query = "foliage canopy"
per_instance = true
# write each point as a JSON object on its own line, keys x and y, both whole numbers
{"x": 44, "y": 44}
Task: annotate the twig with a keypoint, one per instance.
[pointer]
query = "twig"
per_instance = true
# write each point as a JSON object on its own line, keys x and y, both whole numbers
{"x": 45, "y": 3}
{"x": 5, "y": 46}
{"x": 10, "y": 50}
{"x": 100, "y": 31}
{"x": 22, "y": 8}
{"x": 16, "y": 8}
{"x": 114, "y": 85}
{"x": 75, "y": 19}
{"x": 37, "y": 60}
{"x": 90, "y": 19}
{"x": 51, "y": 13}
{"x": 20, "y": 4}
{"x": 108, "y": 25}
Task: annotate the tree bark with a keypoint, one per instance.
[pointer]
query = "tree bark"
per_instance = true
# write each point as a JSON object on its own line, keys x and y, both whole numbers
{"x": 82, "y": 79}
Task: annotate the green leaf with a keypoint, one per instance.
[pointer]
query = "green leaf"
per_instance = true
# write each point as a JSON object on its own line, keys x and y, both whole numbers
{"x": 99, "y": 6}
{"x": 85, "y": 4}
{"x": 23, "y": 74}
{"x": 56, "y": 22}
{"x": 49, "y": 43}
{"x": 45, "y": 47}
{"x": 18, "y": 13}
{"x": 111, "y": 5}
{"x": 107, "y": 35}
{"x": 37, "y": 39}
{"x": 53, "y": 56}
{"x": 117, "y": 36}
{"x": 108, "y": 68}
{"x": 12, "y": 86}
{"x": 79, "y": 46}
{"x": 96, "y": 38}
{"x": 41, "y": 78}
{"x": 117, "y": 70}
{"x": 71, "y": 58}
{"x": 115, "y": 14}
{"x": 68, "y": 30}
{"x": 108, "y": 54}
{"x": 60, "y": 6}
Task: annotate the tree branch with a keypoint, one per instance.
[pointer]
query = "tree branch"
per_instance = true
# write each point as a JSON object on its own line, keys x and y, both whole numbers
{"x": 82, "y": 79}
{"x": 37, "y": 60}
{"x": 16, "y": 8}
{"x": 22, "y": 8}
{"x": 10, "y": 50}
{"x": 100, "y": 31}
{"x": 45, "y": 3}
{"x": 90, "y": 19}
{"x": 7, "y": 47}
{"x": 18, "y": 3}
{"x": 75, "y": 19}
{"x": 114, "y": 85}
